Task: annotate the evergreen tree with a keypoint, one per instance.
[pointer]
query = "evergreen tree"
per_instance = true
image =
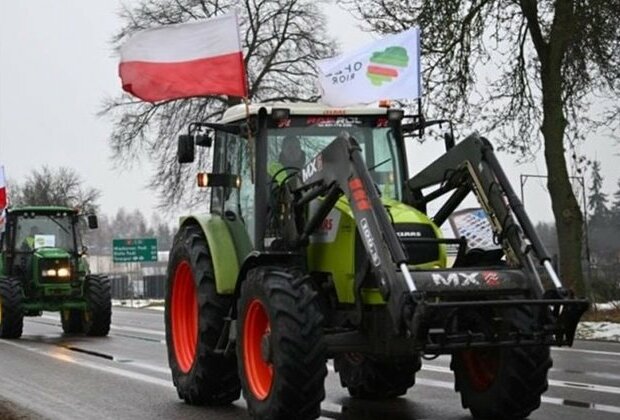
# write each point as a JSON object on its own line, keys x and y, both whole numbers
{"x": 597, "y": 200}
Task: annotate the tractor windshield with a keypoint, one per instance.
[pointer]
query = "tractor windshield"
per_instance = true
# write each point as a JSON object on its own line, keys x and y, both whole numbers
{"x": 43, "y": 230}
{"x": 296, "y": 144}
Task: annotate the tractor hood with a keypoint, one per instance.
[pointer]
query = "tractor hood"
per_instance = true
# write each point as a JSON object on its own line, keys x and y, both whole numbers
{"x": 399, "y": 212}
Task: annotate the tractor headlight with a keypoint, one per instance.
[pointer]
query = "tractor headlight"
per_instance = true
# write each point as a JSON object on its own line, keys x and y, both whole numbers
{"x": 63, "y": 272}
{"x": 49, "y": 273}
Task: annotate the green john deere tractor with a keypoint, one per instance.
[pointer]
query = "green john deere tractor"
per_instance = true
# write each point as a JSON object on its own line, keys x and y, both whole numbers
{"x": 42, "y": 268}
{"x": 319, "y": 245}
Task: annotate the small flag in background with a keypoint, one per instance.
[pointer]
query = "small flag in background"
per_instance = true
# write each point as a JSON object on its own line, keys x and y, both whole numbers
{"x": 185, "y": 60}
{"x": 3, "y": 200}
{"x": 386, "y": 69}
{"x": 3, "y": 197}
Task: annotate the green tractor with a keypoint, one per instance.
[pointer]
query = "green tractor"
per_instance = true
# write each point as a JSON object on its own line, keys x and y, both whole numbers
{"x": 318, "y": 245}
{"x": 42, "y": 268}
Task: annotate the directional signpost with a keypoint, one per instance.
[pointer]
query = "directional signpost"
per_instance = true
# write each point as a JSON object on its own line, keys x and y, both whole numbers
{"x": 134, "y": 250}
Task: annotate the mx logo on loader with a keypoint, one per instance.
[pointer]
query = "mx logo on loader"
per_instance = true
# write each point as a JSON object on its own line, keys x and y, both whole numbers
{"x": 314, "y": 166}
{"x": 456, "y": 279}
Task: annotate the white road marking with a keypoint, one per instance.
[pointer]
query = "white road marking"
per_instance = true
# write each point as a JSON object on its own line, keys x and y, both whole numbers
{"x": 119, "y": 327}
{"x": 65, "y": 356}
{"x": 574, "y": 350}
{"x": 561, "y": 384}
{"x": 547, "y": 400}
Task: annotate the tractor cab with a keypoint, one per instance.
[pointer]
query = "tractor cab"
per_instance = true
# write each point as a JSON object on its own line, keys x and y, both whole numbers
{"x": 286, "y": 145}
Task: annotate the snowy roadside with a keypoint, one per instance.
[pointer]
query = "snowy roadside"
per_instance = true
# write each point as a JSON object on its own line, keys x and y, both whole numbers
{"x": 153, "y": 304}
{"x": 606, "y": 331}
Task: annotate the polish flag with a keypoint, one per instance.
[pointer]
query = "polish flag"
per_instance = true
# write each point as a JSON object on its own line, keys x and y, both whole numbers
{"x": 185, "y": 60}
{"x": 2, "y": 190}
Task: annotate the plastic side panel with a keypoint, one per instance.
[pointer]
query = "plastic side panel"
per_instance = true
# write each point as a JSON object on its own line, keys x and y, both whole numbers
{"x": 223, "y": 252}
{"x": 332, "y": 250}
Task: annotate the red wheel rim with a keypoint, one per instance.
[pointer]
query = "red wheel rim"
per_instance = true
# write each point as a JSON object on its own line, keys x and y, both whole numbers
{"x": 481, "y": 367}
{"x": 259, "y": 373}
{"x": 184, "y": 314}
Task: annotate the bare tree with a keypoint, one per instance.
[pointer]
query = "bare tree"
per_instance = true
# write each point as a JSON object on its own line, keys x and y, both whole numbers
{"x": 281, "y": 41}
{"x": 518, "y": 67}
{"x": 55, "y": 187}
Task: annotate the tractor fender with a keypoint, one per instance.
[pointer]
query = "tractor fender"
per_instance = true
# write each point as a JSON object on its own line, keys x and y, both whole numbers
{"x": 257, "y": 258}
{"x": 228, "y": 244}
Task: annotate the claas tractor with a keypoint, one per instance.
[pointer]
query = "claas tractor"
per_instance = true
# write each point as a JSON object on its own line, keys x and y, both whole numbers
{"x": 319, "y": 245}
{"x": 43, "y": 268}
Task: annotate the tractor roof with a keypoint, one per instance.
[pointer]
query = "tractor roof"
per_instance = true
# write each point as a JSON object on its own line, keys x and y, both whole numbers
{"x": 41, "y": 209}
{"x": 238, "y": 112}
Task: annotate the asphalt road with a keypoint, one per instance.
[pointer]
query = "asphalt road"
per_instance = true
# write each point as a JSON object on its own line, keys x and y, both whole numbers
{"x": 125, "y": 376}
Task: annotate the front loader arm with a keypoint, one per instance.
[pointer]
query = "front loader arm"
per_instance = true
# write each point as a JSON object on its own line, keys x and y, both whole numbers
{"x": 340, "y": 169}
{"x": 473, "y": 163}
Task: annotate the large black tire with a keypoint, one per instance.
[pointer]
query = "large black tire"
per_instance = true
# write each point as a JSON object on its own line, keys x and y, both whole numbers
{"x": 503, "y": 383}
{"x": 369, "y": 378}
{"x": 98, "y": 316}
{"x": 195, "y": 315}
{"x": 11, "y": 311}
{"x": 72, "y": 321}
{"x": 281, "y": 352}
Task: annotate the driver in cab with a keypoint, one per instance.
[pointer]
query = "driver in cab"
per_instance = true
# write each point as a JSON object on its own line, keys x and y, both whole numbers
{"x": 291, "y": 159}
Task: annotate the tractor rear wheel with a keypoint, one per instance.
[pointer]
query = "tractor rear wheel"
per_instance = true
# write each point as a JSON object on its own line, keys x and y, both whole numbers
{"x": 98, "y": 316}
{"x": 72, "y": 321}
{"x": 11, "y": 311}
{"x": 505, "y": 382}
{"x": 280, "y": 348}
{"x": 195, "y": 316}
{"x": 369, "y": 378}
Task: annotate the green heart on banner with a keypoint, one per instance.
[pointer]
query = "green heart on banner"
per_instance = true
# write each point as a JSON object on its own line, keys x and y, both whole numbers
{"x": 384, "y": 65}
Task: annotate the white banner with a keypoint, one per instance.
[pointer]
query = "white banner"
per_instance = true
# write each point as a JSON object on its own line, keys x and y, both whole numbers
{"x": 386, "y": 69}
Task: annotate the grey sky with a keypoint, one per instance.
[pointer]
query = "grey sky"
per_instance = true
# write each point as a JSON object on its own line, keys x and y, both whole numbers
{"x": 56, "y": 65}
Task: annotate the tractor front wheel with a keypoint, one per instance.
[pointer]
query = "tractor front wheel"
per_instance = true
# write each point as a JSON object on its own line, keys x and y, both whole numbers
{"x": 195, "y": 316}
{"x": 280, "y": 348}
{"x": 369, "y": 378}
{"x": 98, "y": 316}
{"x": 503, "y": 383}
{"x": 72, "y": 321}
{"x": 11, "y": 311}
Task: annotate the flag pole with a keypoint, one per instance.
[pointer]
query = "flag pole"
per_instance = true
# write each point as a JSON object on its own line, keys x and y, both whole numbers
{"x": 246, "y": 101}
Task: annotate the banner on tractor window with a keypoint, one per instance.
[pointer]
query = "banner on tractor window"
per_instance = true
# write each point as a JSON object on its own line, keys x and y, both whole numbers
{"x": 386, "y": 69}
{"x": 185, "y": 60}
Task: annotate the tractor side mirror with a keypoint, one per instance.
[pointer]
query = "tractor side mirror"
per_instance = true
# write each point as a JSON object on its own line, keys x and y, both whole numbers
{"x": 185, "y": 150}
{"x": 93, "y": 222}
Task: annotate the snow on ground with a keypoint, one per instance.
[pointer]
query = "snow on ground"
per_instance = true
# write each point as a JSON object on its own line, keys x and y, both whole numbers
{"x": 157, "y": 304}
{"x": 607, "y": 331}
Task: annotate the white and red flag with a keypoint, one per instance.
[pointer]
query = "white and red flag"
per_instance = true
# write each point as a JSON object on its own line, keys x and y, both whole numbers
{"x": 185, "y": 60}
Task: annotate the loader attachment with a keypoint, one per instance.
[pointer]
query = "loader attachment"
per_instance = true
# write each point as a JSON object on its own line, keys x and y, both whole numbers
{"x": 430, "y": 305}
